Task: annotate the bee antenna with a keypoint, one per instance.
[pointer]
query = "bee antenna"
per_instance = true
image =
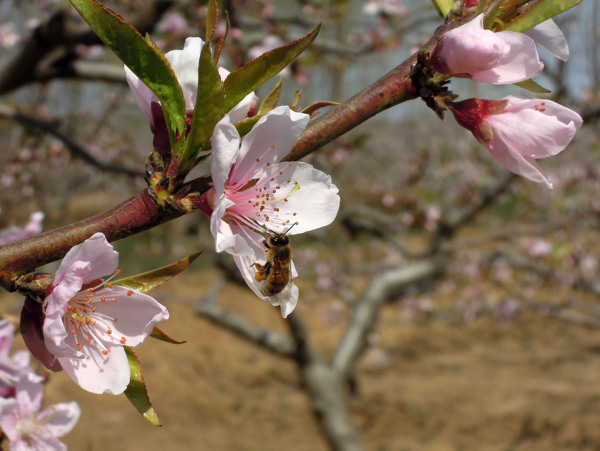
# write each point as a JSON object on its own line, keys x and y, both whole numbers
{"x": 286, "y": 232}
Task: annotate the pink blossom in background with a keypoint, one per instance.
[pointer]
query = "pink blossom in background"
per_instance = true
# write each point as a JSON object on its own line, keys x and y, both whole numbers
{"x": 173, "y": 24}
{"x": 483, "y": 55}
{"x": 33, "y": 227}
{"x": 254, "y": 191}
{"x": 388, "y": 7}
{"x": 185, "y": 65}
{"x": 8, "y": 35}
{"x": 518, "y": 131}
{"x": 11, "y": 368}
{"x": 88, "y": 321}
{"x": 29, "y": 428}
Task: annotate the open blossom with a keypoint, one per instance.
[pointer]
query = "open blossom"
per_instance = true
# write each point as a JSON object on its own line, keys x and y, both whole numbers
{"x": 33, "y": 227}
{"x": 88, "y": 321}
{"x": 518, "y": 131}
{"x": 185, "y": 65}
{"x": 255, "y": 192}
{"x": 483, "y": 55}
{"x": 29, "y": 428}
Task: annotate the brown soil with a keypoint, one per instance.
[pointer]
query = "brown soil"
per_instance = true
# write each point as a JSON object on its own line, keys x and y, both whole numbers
{"x": 425, "y": 385}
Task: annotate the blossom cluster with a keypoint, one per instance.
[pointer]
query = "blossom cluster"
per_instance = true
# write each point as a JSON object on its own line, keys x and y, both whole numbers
{"x": 515, "y": 130}
{"x": 255, "y": 194}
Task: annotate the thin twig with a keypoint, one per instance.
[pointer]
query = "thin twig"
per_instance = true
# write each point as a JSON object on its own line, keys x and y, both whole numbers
{"x": 76, "y": 149}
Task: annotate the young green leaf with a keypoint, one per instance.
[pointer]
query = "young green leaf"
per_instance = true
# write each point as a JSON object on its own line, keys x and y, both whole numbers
{"x": 160, "y": 335}
{"x": 209, "y": 106}
{"x": 143, "y": 58}
{"x": 150, "y": 280}
{"x": 443, "y": 7}
{"x": 136, "y": 390}
{"x": 270, "y": 100}
{"x": 532, "y": 86}
{"x": 211, "y": 19}
{"x": 253, "y": 74}
{"x": 538, "y": 13}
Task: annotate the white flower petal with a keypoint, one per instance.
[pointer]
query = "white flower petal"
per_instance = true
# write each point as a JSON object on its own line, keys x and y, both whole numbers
{"x": 270, "y": 140}
{"x": 314, "y": 205}
{"x": 98, "y": 373}
{"x": 185, "y": 65}
{"x": 548, "y": 35}
{"x": 225, "y": 148}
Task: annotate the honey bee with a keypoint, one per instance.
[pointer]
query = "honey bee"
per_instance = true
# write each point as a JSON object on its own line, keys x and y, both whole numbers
{"x": 276, "y": 273}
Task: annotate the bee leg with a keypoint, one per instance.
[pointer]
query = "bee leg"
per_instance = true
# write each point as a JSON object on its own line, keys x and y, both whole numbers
{"x": 262, "y": 272}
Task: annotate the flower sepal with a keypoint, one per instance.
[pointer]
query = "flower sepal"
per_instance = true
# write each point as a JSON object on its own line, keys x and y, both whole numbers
{"x": 136, "y": 392}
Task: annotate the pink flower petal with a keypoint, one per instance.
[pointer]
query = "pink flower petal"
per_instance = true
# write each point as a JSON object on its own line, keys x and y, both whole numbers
{"x": 136, "y": 315}
{"x": 500, "y": 58}
{"x": 98, "y": 373}
{"x": 95, "y": 249}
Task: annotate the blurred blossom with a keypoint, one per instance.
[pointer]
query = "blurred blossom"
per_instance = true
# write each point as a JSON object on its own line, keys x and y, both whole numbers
{"x": 407, "y": 218}
{"x": 432, "y": 216}
{"x": 388, "y": 200}
{"x": 29, "y": 428}
{"x": 412, "y": 308}
{"x": 589, "y": 266}
{"x": 8, "y": 35}
{"x": 267, "y": 11}
{"x": 173, "y": 24}
{"x": 32, "y": 23}
{"x": 388, "y": 7}
{"x": 505, "y": 314}
{"x": 11, "y": 368}
{"x": 33, "y": 227}
{"x": 501, "y": 270}
{"x": 332, "y": 314}
{"x": 539, "y": 248}
{"x": 267, "y": 44}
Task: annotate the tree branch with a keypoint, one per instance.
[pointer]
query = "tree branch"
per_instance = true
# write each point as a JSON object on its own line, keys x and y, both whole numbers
{"x": 365, "y": 312}
{"x": 49, "y": 51}
{"x": 73, "y": 146}
{"x": 325, "y": 389}
{"x": 269, "y": 340}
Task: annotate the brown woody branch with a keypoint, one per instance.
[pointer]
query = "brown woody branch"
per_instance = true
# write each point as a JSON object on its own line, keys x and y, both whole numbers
{"x": 50, "y": 50}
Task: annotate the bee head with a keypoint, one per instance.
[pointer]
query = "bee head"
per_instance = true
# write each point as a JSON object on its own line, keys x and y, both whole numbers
{"x": 277, "y": 240}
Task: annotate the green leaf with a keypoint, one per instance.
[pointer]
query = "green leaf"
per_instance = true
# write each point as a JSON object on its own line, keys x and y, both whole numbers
{"x": 253, "y": 74}
{"x": 211, "y": 19}
{"x": 150, "y": 280}
{"x": 443, "y": 7}
{"x": 270, "y": 100}
{"x": 136, "y": 390}
{"x": 246, "y": 125}
{"x": 532, "y": 86}
{"x": 539, "y": 12}
{"x": 142, "y": 57}
{"x": 209, "y": 106}
{"x": 160, "y": 335}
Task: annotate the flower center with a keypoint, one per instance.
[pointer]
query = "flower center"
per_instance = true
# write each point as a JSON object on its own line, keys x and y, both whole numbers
{"x": 85, "y": 319}
{"x": 261, "y": 196}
